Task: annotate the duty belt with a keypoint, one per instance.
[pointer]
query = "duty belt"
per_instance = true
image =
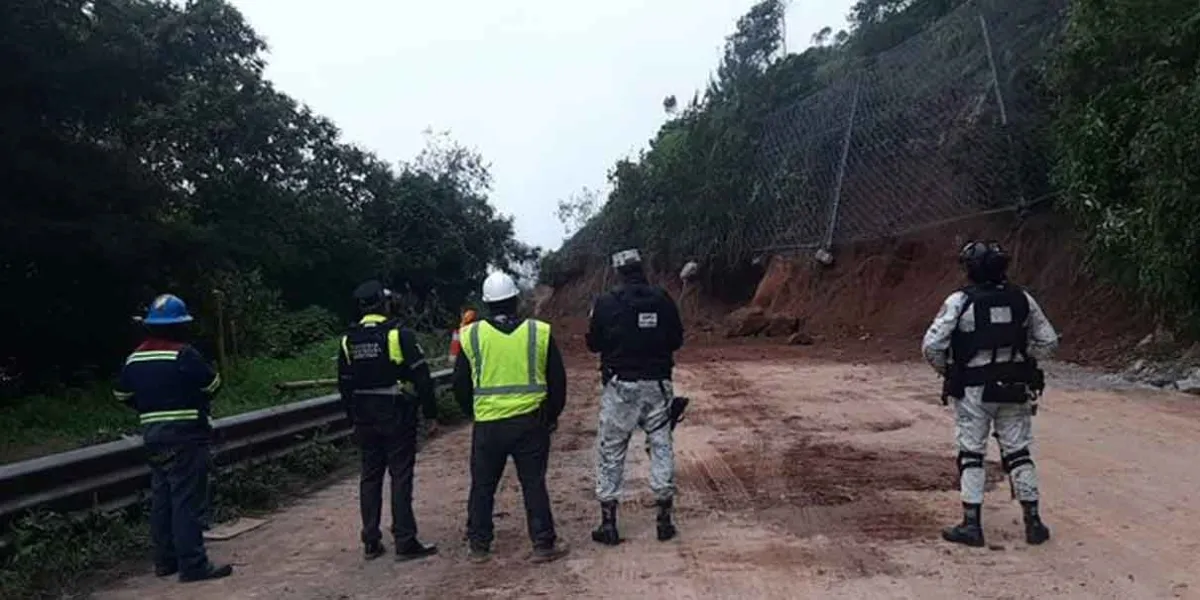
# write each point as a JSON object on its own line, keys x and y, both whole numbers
{"x": 391, "y": 390}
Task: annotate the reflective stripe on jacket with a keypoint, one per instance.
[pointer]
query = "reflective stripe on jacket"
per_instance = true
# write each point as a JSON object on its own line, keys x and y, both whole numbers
{"x": 509, "y": 370}
{"x": 170, "y": 385}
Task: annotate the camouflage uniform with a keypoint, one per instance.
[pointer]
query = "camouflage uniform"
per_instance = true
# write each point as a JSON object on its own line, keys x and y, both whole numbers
{"x": 973, "y": 418}
{"x": 636, "y": 330}
{"x": 625, "y": 406}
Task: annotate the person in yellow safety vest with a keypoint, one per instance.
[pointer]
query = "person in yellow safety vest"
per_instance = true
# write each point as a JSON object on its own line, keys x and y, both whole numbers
{"x": 510, "y": 379}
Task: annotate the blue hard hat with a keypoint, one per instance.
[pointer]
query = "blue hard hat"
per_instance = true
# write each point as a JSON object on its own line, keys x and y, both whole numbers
{"x": 167, "y": 309}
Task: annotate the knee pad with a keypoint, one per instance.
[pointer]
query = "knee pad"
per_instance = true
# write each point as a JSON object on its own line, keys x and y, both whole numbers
{"x": 1016, "y": 459}
{"x": 969, "y": 460}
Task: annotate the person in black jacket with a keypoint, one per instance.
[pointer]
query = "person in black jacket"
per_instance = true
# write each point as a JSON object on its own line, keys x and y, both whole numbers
{"x": 380, "y": 366}
{"x": 170, "y": 385}
{"x": 511, "y": 381}
{"x": 636, "y": 329}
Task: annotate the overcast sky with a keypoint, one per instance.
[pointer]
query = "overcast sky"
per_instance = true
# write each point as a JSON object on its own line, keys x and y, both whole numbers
{"x": 550, "y": 92}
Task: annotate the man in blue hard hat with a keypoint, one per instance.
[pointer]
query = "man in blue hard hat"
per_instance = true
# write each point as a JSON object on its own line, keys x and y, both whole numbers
{"x": 170, "y": 385}
{"x": 382, "y": 375}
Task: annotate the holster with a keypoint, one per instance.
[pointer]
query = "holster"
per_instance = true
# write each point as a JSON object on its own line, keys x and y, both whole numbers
{"x": 678, "y": 405}
{"x": 952, "y": 387}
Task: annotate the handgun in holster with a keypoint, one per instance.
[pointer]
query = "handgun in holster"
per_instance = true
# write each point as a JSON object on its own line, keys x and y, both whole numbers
{"x": 674, "y": 413}
{"x": 674, "y": 416}
{"x": 1037, "y": 385}
{"x": 952, "y": 387}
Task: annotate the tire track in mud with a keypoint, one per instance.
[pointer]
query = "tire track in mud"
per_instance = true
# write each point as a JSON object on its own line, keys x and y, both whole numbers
{"x": 761, "y": 456}
{"x": 796, "y": 480}
{"x": 762, "y": 493}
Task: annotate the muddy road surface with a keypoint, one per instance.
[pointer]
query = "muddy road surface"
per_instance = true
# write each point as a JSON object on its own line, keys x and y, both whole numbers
{"x": 797, "y": 479}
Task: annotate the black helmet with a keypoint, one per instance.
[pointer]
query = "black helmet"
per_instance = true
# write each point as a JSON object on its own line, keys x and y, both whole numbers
{"x": 984, "y": 262}
{"x": 372, "y": 296}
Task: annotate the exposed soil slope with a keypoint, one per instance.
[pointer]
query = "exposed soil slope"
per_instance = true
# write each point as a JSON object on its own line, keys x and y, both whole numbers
{"x": 878, "y": 297}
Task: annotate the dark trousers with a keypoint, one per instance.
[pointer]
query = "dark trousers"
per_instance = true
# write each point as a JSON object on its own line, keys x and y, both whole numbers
{"x": 390, "y": 448}
{"x": 178, "y": 485}
{"x": 527, "y": 441}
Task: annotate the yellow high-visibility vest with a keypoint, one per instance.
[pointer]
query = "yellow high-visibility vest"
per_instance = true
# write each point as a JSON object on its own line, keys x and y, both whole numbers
{"x": 508, "y": 370}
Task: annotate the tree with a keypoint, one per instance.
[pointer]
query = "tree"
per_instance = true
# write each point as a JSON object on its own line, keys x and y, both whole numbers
{"x": 821, "y": 37}
{"x": 145, "y": 152}
{"x": 670, "y": 105}
{"x": 577, "y": 209}
{"x": 695, "y": 191}
{"x": 1127, "y": 133}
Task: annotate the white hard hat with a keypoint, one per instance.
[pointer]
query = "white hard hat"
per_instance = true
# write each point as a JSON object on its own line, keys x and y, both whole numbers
{"x": 499, "y": 286}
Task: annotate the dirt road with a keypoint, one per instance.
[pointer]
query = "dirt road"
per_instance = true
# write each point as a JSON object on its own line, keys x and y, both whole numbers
{"x": 797, "y": 480}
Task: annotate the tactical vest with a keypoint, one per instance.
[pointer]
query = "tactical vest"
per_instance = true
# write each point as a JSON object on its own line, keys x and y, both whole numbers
{"x": 1000, "y": 312}
{"x": 638, "y": 328}
{"x": 372, "y": 348}
{"x": 508, "y": 369}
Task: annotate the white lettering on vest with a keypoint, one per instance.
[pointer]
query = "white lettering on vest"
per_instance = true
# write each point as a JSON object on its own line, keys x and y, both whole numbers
{"x": 647, "y": 320}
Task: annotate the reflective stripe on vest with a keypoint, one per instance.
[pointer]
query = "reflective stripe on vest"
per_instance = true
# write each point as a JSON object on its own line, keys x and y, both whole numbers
{"x": 509, "y": 370}
{"x": 151, "y": 355}
{"x": 164, "y": 416}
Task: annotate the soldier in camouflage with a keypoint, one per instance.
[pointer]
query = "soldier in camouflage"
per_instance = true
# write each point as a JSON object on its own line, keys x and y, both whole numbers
{"x": 986, "y": 341}
{"x": 636, "y": 329}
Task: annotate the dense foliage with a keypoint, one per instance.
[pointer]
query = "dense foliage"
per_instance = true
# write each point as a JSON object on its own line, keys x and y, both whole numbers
{"x": 1128, "y": 133}
{"x": 141, "y": 150}
{"x": 700, "y": 169}
{"x": 1116, "y": 123}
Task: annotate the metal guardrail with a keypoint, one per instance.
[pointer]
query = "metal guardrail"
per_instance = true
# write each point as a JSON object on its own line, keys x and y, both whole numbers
{"x": 114, "y": 475}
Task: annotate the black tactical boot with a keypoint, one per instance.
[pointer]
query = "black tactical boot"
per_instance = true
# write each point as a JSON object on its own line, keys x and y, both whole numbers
{"x": 210, "y": 571}
{"x": 666, "y": 529}
{"x": 373, "y": 550}
{"x": 970, "y": 531}
{"x": 1036, "y": 532}
{"x": 606, "y": 533}
{"x": 414, "y": 550}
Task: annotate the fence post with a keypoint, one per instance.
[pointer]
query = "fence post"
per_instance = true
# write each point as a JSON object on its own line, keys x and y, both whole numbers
{"x": 837, "y": 187}
{"x": 1013, "y": 169}
{"x": 222, "y": 357}
{"x": 987, "y": 44}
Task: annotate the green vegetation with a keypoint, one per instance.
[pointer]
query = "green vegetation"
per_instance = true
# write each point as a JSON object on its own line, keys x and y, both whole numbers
{"x": 143, "y": 151}
{"x": 1109, "y": 126}
{"x": 48, "y": 555}
{"x": 46, "y": 423}
{"x": 690, "y": 193}
{"x": 1128, "y": 136}
{"x": 65, "y": 419}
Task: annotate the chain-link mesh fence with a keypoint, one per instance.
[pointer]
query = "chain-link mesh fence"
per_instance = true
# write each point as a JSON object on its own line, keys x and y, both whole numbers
{"x": 941, "y": 127}
{"x": 948, "y": 124}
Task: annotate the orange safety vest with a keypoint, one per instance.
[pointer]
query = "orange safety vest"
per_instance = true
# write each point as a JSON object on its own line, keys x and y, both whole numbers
{"x": 468, "y": 317}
